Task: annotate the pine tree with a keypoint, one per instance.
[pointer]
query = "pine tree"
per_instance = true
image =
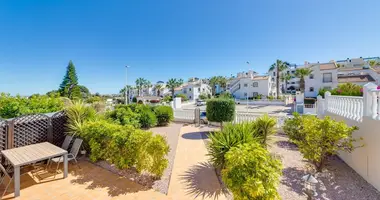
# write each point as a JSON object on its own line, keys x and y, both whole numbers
{"x": 69, "y": 86}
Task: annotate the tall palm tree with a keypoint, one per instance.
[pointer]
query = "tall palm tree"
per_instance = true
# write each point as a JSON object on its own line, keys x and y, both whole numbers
{"x": 172, "y": 84}
{"x": 279, "y": 66}
{"x": 213, "y": 82}
{"x": 222, "y": 81}
{"x": 147, "y": 85}
{"x": 140, "y": 82}
{"x": 127, "y": 89}
{"x": 301, "y": 73}
{"x": 285, "y": 77}
{"x": 158, "y": 88}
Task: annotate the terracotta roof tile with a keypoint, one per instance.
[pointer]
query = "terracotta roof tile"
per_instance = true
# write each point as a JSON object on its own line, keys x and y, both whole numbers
{"x": 355, "y": 78}
{"x": 260, "y": 78}
{"x": 327, "y": 66}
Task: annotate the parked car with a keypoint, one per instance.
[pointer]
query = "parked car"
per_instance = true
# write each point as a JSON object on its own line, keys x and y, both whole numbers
{"x": 201, "y": 103}
{"x": 203, "y": 117}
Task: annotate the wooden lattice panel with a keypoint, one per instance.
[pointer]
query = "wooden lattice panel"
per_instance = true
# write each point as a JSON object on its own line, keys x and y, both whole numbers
{"x": 3, "y": 134}
{"x": 30, "y": 129}
{"x": 58, "y": 121}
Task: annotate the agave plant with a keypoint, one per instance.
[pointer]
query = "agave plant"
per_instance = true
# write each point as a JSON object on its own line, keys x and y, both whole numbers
{"x": 77, "y": 113}
{"x": 264, "y": 127}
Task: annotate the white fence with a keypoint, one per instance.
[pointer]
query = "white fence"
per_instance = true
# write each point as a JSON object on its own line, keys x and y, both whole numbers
{"x": 247, "y": 117}
{"x": 363, "y": 112}
{"x": 287, "y": 100}
{"x": 184, "y": 115}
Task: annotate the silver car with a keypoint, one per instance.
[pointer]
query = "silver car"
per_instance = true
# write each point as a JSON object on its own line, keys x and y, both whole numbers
{"x": 201, "y": 103}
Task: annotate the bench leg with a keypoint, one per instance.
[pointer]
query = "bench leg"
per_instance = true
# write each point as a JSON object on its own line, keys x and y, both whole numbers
{"x": 17, "y": 181}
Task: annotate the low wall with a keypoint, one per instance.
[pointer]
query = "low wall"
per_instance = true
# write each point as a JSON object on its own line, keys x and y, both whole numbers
{"x": 364, "y": 160}
{"x": 261, "y": 102}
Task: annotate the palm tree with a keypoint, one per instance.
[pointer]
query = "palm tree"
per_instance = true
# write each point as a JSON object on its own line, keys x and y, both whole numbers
{"x": 147, "y": 85}
{"x": 126, "y": 89}
{"x": 285, "y": 78}
{"x": 301, "y": 73}
{"x": 279, "y": 66}
{"x": 373, "y": 63}
{"x": 213, "y": 82}
{"x": 140, "y": 82}
{"x": 264, "y": 128}
{"x": 222, "y": 81}
{"x": 158, "y": 88}
{"x": 173, "y": 83}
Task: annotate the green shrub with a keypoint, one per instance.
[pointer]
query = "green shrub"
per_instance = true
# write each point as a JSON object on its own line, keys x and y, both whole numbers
{"x": 16, "y": 106}
{"x": 134, "y": 100}
{"x": 264, "y": 127}
{"x": 251, "y": 172}
{"x": 94, "y": 99}
{"x": 270, "y": 97}
{"x": 164, "y": 115}
{"x": 183, "y": 97}
{"x": 78, "y": 113}
{"x": 220, "y": 110}
{"x": 226, "y": 95}
{"x": 126, "y": 146}
{"x": 324, "y": 137}
{"x": 124, "y": 115}
{"x": 293, "y": 126}
{"x": 231, "y": 136}
{"x": 147, "y": 118}
{"x": 344, "y": 89}
{"x": 203, "y": 96}
{"x": 168, "y": 99}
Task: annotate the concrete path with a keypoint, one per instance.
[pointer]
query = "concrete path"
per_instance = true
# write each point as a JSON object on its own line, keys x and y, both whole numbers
{"x": 192, "y": 176}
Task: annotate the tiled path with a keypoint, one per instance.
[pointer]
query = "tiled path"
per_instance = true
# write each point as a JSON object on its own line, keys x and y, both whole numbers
{"x": 193, "y": 177}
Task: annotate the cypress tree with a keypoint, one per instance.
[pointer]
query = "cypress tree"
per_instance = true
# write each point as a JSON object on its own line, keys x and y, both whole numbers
{"x": 69, "y": 86}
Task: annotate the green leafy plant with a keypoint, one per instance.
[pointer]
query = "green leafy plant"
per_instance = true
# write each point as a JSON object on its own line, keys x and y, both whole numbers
{"x": 302, "y": 73}
{"x": 231, "y": 136}
{"x": 251, "y": 172}
{"x": 147, "y": 118}
{"x": 14, "y": 106}
{"x": 164, "y": 115}
{"x": 172, "y": 84}
{"x": 78, "y": 113}
{"x": 324, "y": 137}
{"x": 123, "y": 114}
{"x": 264, "y": 128}
{"x": 293, "y": 126}
{"x": 203, "y": 96}
{"x": 220, "y": 110}
{"x": 183, "y": 97}
{"x": 167, "y": 99}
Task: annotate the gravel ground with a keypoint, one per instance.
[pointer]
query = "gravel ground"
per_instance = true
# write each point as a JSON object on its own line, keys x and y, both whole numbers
{"x": 171, "y": 133}
{"x": 339, "y": 181}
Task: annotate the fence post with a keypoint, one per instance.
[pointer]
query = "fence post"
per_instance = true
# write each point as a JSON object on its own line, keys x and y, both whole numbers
{"x": 197, "y": 116}
{"x": 320, "y": 106}
{"x": 50, "y": 130}
{"x": 10, "y": 135}
{"x": 327, "y": 98}
{"x": 367, "y": 99}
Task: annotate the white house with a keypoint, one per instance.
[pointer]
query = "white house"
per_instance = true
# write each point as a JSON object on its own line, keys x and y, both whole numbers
{"x": 193, "y": 89}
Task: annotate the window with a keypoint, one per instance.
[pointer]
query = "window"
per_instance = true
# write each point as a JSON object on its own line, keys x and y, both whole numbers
{"x": 327, "y": 77}
{"x": 311, "y": 76}
{"x": 184, "y": 91}
{"x": 255, "y": 94}
{"x": 189, "y": 89}
{"x": 199, "y": 89}
{"x": 255, "y": 84}
{"x": 274, "y": 73}
{"x": 245, "y": 85}
{"x": 189, "y": 97}
{"x": 203, "y": 89}
{"x": 293, "y": 72}
{"x": 293, "y": 82}
{"x": 272, "y": 79}
{"x": 311, "y": 89}
{"x": 245, "y": 94}
{"x": 288, "y": 72}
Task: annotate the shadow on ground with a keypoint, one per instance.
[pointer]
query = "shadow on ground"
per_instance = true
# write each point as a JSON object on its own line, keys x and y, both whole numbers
{"x": 196, "y": 135}
{"x": 200, "y": 183}
{"x": 292, "y": 178}
{"x": 287, "y": 145}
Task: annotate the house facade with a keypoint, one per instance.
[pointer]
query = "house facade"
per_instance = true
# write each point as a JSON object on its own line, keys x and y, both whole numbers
{"x": 193, "y": 89}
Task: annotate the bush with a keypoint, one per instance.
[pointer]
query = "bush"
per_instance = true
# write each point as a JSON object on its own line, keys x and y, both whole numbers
{"x": 264, "y": 127}
{"x": 78, "y": 113}
{"x": 168, "y": 99}
{"x": 134, "y": 100}
{"x": 324, "y": 137}
{"x": 251, "y": 172}
{"x": 345, "y": 89}
{"x": 231, "y": 136}
{"x": 147, "y": 118}
{"x": 270, "y": 97}
{"x": 220, "y": 110}
{"x": 94, "y": 99}
{"x": 183, "y": 97}
{"x": 226, "y": 95}
{"x": 126, "y": 146}
{"x": 16, "y": 106}
{"x": 164, "y": 115}
{"x": 293, "y": 126}
{"x": 203, "y": 96}
{"x": 124, "y": 115}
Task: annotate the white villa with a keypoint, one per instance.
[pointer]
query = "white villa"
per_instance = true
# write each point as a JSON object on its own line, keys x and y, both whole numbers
{"x": 193, "y": 89}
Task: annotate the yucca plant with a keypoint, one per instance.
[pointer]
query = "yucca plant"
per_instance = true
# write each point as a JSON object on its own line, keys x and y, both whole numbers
{"x": 264, "y": 127}
{"x": 231, "y": 136}
{"x": 77, "y": 113}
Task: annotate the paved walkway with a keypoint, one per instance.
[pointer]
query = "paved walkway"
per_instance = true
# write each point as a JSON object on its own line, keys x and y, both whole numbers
{"x": 192, "y": 176}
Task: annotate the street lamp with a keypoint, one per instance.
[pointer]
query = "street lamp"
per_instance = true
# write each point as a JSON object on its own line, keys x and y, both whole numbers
{"x": 126, "y": 84}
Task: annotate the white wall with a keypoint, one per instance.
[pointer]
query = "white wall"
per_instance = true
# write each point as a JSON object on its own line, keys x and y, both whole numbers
{"x": 263, "y": 88}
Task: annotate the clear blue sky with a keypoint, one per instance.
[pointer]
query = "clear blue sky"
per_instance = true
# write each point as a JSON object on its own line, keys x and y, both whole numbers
{"x": 179, "y": 38}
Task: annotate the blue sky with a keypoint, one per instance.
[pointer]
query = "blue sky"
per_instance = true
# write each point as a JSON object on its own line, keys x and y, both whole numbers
{"x": 179, "y": 39}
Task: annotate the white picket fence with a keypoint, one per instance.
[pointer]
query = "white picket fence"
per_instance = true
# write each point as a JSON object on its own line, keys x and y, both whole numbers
{"x": 184, "y": 115}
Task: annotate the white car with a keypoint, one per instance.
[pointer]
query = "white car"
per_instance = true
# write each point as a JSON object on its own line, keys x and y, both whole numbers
{"x": 201, "y": 103}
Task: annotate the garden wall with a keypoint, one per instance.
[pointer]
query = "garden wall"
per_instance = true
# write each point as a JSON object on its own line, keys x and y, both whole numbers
{"x": 365, "y": 160}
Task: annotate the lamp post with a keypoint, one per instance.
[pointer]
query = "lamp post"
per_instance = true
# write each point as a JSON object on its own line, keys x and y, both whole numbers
{"x": 126, "y": 84}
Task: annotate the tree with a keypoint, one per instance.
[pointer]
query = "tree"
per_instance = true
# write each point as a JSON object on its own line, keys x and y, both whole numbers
{"x": 301, "y": 73}
{"x": 127, "y": 89}
{"x": 69, "y": 86}
{"x": 264, "y": 127}
{"x": 85, "y": 92}
{"x": 147, "y": 85}
{"x": 158, "y": 88}
{"x": 222, "y": 81}
{"x": 324, "y": 137}
{"x": 220, "y": 110}
{"x": 373, "y": 63}
{"x": 213, "y": 82}
{"x": 252, "y": 172}
{"x": 172, "y": 84}
{"x": 279, "y": 66}
{"x": 285, "y": 78}
{"x": 140, "y": 83}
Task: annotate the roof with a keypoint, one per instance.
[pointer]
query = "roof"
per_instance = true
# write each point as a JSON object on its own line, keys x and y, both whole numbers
{"x": 351, "y": 68}
{"x": 260, "y": 78}
{"x": 355, "y": 78}
{"x": 327, "y": 66}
